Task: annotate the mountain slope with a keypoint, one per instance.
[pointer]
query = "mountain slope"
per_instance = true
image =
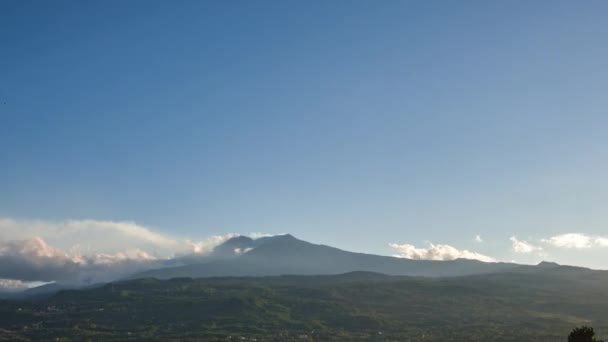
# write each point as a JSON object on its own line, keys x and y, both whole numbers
{"x": 284, "y": 254}
{"x": 506, "y": 306}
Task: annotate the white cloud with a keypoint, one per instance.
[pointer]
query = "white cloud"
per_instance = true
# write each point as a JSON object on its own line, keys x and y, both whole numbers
{"x": 12, "y": 284}
{"x": 206, "y": 246}
{"x": 478, "y": 239}
{"x": 519, "y": 246}
{"x": 35, "y": 260}
{"x": 571, "y": 240}
{"x": 79, "y": 251}
{"x": 128, "y": 229}
{"x": 90, "y": 236}
{"x": 437, "y": 252}
{"x": 601, "y": 241}
{"x": 107, "y": 237}
{"x": 106, "y": 259}
{"x": 257, "y": 235}
{"x": 239, "y": 251}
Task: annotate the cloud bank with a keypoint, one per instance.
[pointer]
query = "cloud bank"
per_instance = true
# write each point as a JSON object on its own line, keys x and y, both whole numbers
{"x": 88, "y": 251}
{"x": 437, "y": 252}
{"x": 12, "y": 285}
{"x": 34, "y": 260}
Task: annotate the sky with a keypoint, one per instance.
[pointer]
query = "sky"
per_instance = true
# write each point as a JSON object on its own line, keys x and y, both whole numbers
{"x": 421, "y": 129}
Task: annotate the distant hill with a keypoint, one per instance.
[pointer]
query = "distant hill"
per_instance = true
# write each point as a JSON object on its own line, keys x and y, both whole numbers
{"x": 358, "y": 306}
{"x": 46, "y": 290}
{"x": 284, "y": 254}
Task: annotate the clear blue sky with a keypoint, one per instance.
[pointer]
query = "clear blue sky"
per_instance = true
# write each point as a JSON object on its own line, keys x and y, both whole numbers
{"x": 349, "y": 123}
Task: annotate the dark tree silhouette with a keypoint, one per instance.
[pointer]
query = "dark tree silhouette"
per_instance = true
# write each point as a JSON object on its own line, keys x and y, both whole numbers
{"x": 583, "y": 334}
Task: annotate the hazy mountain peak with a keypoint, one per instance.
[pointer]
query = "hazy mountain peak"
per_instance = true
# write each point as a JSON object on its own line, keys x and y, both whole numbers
{"x": 232, "y": 247}
{"x": 241, "y": 244}
{"x": 547, "y": 264}
{"x": 285, "y": 254}
{"x": 238, "y": 240}
{"x": 282, "y": 237}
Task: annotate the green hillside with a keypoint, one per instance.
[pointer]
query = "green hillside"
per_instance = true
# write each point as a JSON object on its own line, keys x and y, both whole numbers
{"x": 542, "y": 306}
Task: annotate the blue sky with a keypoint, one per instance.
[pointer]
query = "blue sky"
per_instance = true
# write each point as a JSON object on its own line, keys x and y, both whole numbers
{"x": 349, "y": 123}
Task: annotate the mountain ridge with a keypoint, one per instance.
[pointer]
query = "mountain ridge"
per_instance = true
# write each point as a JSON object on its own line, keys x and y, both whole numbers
{"x": 285, "y": 254}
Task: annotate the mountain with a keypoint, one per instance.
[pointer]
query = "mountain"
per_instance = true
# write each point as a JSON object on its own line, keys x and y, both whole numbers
{"x": 548, "y": 264}
{"x": 285, "y": 254}
{"x": 233, "y": 247}
{"x": 47, "y": 289}
{"x": 38, "y": 292}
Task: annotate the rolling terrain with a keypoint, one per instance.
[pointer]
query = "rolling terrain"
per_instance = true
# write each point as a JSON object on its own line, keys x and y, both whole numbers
{"x": 510, "y": 306}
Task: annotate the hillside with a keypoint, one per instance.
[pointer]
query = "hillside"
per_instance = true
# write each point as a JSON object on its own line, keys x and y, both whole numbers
{"x": 543, "y": 306}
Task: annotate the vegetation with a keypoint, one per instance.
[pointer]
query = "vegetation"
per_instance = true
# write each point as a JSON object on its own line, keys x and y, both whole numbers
{"x": 354, "y": 306}
{"x": 583, "y": 334}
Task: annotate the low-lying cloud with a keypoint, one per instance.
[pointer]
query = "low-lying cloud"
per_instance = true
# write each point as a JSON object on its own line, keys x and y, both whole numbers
{"x": 34, "y": 260}
{"x": 437, "y": 252}
{"x": 12, "y": 285}
{"x": 88, "y": 251}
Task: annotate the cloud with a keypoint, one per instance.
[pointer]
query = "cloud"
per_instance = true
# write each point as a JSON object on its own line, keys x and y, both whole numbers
{"x": 105, "y": 259}
{"x": 576, "y": 241}
{"x": 519, "y": 246}
{"x": 90, "y": 235}
{"x": 437, "y": 252}
{"x": 127, "y": 229}
{"x": 16, "y": 285}
{"x": 85, "y": 251}
{"x": 206, "y": 246}
{"x": 601, "y": 241}
{"x": 478, "y": 239}
{"x": 109, "y": 237}
{"x": 257, "y": 235}
{"x": 12, "y": 284}
{"x": 35, "y": 260}
{"x": 239, "y": 251}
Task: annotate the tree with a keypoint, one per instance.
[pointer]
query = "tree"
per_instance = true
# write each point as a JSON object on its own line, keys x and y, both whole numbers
{"x": 583, "y": 334}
